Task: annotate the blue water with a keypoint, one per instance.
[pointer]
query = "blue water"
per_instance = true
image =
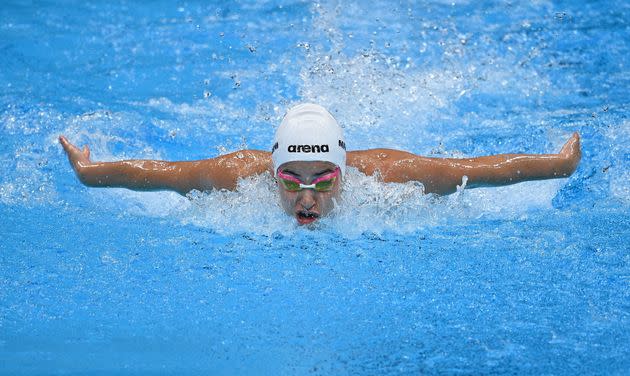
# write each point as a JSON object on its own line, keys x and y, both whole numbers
{"x": 526, "y": 279}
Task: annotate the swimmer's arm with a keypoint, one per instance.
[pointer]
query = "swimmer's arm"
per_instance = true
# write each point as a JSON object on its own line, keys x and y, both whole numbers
{"x": 148, "y": 175}
{"x": 443, "y": 175}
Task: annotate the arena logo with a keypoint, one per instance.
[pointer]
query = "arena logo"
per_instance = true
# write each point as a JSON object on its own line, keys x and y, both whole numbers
{"x": 308, "y": 148}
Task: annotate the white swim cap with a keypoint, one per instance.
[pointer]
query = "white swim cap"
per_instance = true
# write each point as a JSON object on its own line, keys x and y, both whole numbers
{"x": 309, "y": 133}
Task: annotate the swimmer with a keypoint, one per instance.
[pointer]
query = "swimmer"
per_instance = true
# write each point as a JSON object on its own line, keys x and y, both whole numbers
{"x": 308, "y": 160}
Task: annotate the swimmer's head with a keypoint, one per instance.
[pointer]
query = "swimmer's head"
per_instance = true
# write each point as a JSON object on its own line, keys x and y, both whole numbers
{"x": 309, "y": 160}
{"x": 309, "y": 133}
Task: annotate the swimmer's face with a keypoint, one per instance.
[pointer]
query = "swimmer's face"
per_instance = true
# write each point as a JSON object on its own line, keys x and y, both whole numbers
{"x": 307, "y": 205}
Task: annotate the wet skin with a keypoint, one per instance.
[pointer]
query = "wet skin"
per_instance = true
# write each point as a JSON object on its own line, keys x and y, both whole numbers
{"x": 308, "y": 205}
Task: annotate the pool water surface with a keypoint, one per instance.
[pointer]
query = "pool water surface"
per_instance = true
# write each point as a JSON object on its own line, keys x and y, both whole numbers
{"x": 531, "y": 278}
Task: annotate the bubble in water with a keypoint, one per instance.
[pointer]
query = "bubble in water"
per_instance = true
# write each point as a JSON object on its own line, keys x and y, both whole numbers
{"x": 304, "y": 45}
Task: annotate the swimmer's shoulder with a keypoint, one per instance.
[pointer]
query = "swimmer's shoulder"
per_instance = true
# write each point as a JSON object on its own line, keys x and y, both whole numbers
{"x": 371, "y": 160}
{"x": 223, "y": 172}
{"x": 378, "y": 154}
{"x": 246, "y": 162}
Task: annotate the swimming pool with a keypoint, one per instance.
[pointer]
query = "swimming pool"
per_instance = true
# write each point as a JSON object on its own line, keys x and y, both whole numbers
{"x": 529, "y": 279}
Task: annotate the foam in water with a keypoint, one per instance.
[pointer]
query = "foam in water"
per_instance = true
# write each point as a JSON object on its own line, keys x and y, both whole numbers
{"x": 402, "y": 98}
{"x": 367, "y": 205}
{"x": 619, "y": 139}
{"x": 253, "y": 207}
{"x": 26, "y": 168}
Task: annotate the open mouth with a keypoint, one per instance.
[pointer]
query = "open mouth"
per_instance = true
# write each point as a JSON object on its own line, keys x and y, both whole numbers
{"x": 305, "y": 217}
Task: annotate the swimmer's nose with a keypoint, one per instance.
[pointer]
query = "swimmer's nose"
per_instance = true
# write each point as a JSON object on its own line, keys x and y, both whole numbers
{"x": 307, "y": 200}
{"x": 308, "y": 205}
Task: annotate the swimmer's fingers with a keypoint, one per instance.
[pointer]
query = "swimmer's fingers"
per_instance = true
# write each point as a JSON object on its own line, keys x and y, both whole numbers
{"x": 67, "y": 146}
{"x": 572, "y": 146}
{"x": 71, "y": 150}
{"x": 78, "y": 158}
{"x": 86, "y": 152}
{"x": 571, "y": 152}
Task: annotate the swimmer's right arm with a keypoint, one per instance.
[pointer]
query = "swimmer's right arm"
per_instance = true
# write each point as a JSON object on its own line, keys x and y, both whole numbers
{"x": 443, "y": 175}
{"x": 221, "y": 172}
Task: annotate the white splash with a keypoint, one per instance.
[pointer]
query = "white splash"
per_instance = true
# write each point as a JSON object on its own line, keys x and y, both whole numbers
{"x": 254, "y": 207}
{"x": 367, "y": 205}
{"x": 617, "y": 170}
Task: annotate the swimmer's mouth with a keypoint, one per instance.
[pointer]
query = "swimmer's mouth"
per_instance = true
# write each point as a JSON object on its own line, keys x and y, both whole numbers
{"x": 305, "y": 217}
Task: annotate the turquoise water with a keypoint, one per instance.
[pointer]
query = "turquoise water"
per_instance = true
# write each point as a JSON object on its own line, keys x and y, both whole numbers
{"x": 526, "y": 279}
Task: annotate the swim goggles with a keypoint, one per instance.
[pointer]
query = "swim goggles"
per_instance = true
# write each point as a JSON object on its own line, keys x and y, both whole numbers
{"x": 322, "y": 184}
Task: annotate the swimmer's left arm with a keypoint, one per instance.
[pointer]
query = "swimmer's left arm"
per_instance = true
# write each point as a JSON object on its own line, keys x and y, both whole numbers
{"x": 443, "y": 175}
{"x": 221, "y": 172}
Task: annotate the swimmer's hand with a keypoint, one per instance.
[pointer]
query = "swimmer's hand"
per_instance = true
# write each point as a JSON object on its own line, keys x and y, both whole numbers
{"x": 79, "y": 159}
{"x": 571, "y": 154}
